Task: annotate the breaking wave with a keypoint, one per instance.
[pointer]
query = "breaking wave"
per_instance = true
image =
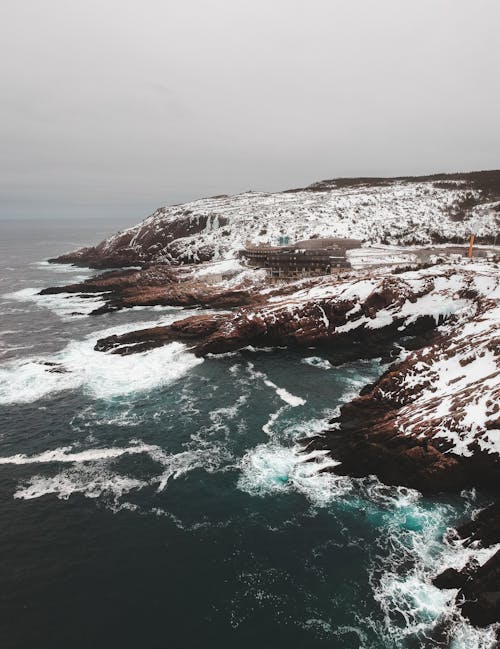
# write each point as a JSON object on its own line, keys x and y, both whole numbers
{"x": 65, "y": 305}
{"x": 103, "y": 376}
{"x": 65, "y": 455}
{"x": 272, "y": 468}
{"x": 420, "y": 544}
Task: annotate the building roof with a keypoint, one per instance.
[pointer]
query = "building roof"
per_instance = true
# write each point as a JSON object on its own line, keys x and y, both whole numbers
{"x": 334, "y": 242}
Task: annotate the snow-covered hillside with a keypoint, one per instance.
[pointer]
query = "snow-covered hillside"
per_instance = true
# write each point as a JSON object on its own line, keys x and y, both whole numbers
{"x": 458, "y": 388}
{"x": 394, "y": 212}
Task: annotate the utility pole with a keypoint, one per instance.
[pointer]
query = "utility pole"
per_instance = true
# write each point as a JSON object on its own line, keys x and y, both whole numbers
{"x": 471, "y": 246}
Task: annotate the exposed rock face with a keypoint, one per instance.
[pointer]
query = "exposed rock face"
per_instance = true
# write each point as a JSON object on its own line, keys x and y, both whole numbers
{"x": 425, "y": 210}
{"x": 479, "y": 586}
{"x": 482, "y": 594}
{"x": 432, "y": 421}
{"x": 360, "y": 315}
{"x": 143, "y": 243}
{"x": 451, "y": 578}
{"x": 479, "y": 595}
{"x": 161, "y": 284}
{"x": 484, "y": 528}
{"x": 296, "y": 319}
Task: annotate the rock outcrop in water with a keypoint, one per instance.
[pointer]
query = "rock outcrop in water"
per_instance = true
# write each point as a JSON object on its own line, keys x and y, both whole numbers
{"x": 425, "y": 210}
{"x": 163, "y": 285}
{"x": 331, "y": 309}
{"x": 478, "y": 586}
{"x": 358, "y": 316}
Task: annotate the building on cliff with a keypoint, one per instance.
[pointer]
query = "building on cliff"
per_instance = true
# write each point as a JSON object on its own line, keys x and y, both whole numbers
{"x": 308, "y": 258}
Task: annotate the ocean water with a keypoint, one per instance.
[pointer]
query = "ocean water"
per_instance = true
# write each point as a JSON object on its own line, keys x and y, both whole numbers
{"x": 160, "y": 500}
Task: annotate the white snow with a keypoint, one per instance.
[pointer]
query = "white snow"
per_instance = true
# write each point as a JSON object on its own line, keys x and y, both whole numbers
{"x": 459, "y": 388}
{"x": 398, "y": 213}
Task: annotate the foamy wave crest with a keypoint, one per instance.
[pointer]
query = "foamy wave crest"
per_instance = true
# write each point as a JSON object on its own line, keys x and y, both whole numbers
{"x": 65, "y": 305}
{"x": 107, "y": 415}
{"x": 103, "y": 376}
{"x": 271, "y": 468}
{"x": 316, "y": 361}
{"x": 82, "y": 273}
{"x": 353, "y": 387}
{"x": 65, "y": 455}
{"x": 178, "y": 464}
{"x": 306, "y": 427}
{"x": 92, "y": 481}
{"x": 91, "y": 472}
{"x": 284, "y": 395}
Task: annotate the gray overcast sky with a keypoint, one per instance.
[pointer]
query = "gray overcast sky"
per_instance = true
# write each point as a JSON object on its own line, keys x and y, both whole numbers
{"x": 118, "y": 106}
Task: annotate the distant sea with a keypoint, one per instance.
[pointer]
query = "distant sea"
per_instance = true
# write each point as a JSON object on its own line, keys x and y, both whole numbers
{"x": 159, "y": 500}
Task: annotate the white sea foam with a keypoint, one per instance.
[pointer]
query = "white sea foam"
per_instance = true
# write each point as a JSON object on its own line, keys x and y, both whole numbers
{"x": 91, "y": 472}
{"x": 65, "y": 305}
{"x": 273, "y": 417}
{"x": 64, "y": 268}
{"x": 88, "y": 417}
{"x": 284, "y": 395}
{"x": 270, "y": 468}
{"x": 316, "y": 361}
{"x": 417, "y": 552}
{"x": 287, "y": 397}
{"x": 353, "y": 386}
{"x": 92, "y": 481}
{"x": 101, "y": 375}
{"x": 178, "y": 464}
{"x": 65, "y": 455}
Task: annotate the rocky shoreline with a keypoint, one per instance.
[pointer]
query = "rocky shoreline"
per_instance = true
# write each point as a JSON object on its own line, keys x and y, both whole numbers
{"x": 432, "y": 420}
{"x": 155, "y": 285}
{"x": 478, "y": 586}
{"x": 419, "y": 315}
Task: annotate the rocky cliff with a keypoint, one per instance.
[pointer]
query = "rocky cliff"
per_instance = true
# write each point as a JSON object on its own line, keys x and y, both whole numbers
{"x": 430, "y": 209}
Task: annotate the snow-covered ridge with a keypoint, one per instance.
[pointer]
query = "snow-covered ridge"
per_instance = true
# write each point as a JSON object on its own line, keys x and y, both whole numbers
{"x": 437, "y": 292}
{"x": 446, "y": 393}
{"x": 458, "y": 387}
{"x": 397, "y": 212}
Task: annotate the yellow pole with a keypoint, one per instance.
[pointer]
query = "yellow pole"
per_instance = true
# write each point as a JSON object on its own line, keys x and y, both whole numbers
{"x": 471, "y": 246}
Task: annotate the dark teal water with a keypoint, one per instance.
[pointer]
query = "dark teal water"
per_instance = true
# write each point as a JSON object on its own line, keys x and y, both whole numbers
{"x": 158, "y": 500}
